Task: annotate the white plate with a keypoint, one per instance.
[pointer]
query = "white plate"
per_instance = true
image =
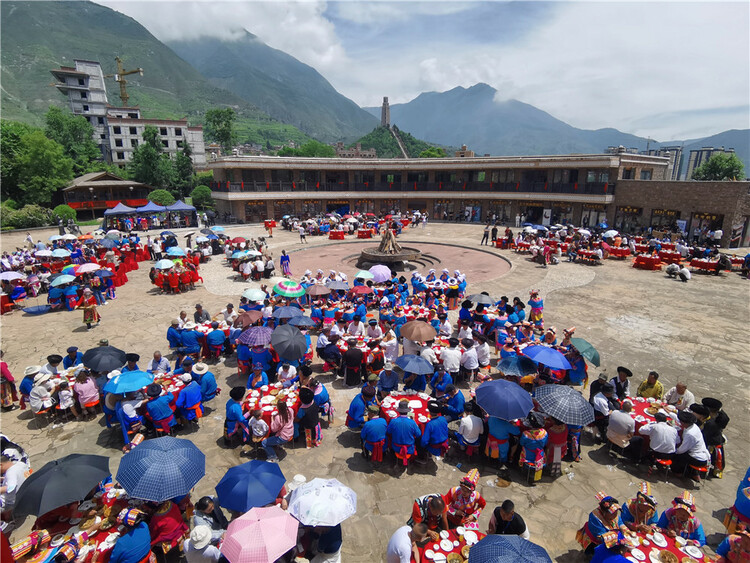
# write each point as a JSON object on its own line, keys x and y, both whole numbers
{"x": 436, "y": 547}
{"x": 444, "y": 534}
{"x": 446, "y": 545}
{"x": 659, "y": 539}
{"x": 653, "y": 555}
{"x": 57, "y": 540}
{"x": 75, "y": 521}
{"x": 439, "y": 558}
{"x": 456, "y": 543}
{"x": 470, "y": 537}
{"x": 392, "y": 414}
{"x": 638, "y": 554}
{"x": 646, "y": 543}
{"x": 429, "y": 553}
{"x": 460, "y": 530}
{"x": 693, "y": 551}
{"x": 268, "y": 408}
{"x": 680, "y": 541}
{"x": 415, "y": 404}
{"x": 631, "y": 559}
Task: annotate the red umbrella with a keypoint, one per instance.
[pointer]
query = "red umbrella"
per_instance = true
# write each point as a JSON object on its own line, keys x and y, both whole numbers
{"x": 237, "y": 240}
{"x": 347, "y": 216}
{"x": 361, "y": 290}
{"x": 370, "y": 214}
{"x": 389, "y": 216}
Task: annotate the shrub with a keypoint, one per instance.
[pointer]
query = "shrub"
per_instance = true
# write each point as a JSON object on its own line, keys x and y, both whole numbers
{"x": 202, "y": 197}
{"x": 65, "y": 212}
{"x": 28, "y": 216}
{"x": 161, "y": 197}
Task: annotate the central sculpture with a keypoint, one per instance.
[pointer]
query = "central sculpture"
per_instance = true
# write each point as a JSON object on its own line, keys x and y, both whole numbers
{"x": 390, "y": 253}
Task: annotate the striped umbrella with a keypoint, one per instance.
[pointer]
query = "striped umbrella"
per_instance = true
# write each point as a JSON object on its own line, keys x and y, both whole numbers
{"x": 289, "y": 288}
{"x": 256, "y": 336}
{"x": 71, "y": 270}
{"x": 161, "y": 469}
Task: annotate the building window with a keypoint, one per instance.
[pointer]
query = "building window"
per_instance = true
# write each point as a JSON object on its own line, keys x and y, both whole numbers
{"x": 100, "y": 120}
{"x": 179, "y": 144}
{"x": 645, "y": 174}
{"x": 116, "y": 130}
{"x": 163, "y": 131}
{"x": 165, "y": 144}
{"x": 627, "y": 173}
{"x": 133, "y": 143}
{"x": 178, "y": 131}
{"x": 133, "y": 115}
{"x": 81, "y": 82}
{"x": 84, "y": 96}
{"x": 481, "y": 176}
{"x": 102, "y": 136}
{"x": 591, "y": 176}
{"x": 120, "y": 155}
{"x": 118, "y": 142}
{"x": 85, "y": 108}
{"x": 133, "y": 131}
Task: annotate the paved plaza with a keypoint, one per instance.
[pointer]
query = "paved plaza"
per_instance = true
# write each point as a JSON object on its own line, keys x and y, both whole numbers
{"x": 695, "y": 332}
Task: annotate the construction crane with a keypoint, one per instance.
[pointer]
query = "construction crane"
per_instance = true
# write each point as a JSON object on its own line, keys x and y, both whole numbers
{"x": 119, "y": 78}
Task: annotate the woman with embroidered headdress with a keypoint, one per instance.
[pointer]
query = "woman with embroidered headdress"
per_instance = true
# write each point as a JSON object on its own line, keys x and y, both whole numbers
{"x": 167, "y": 528}
{"x": 680, "y": 520}
{"x": 739, "y": 513}
{"x": 87, "y": 302}
{"x": 537, "y": 309}
{"x": 533, "y": 442}
{"x": 639, "y": 513}
{"x": 735, "y": 548}
{"x": 604, "y": 518}
{"x": 134, "y": 545}
{"x": 464, "y": 503}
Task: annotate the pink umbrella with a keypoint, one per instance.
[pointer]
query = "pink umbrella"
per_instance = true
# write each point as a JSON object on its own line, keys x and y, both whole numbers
{"x": 88, "y": 267}
{"x": 261, "y": 535}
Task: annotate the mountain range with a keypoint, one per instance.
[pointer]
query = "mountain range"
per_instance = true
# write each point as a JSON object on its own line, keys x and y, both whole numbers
{"x": 277, "y": 98}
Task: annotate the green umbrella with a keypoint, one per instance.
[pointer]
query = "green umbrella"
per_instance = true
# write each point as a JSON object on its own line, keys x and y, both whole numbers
{"x": 586, "y": 349}
{"x": 254, "y": 294}
{"x": 364, "y": 275}
{"x": 289, "y": 288}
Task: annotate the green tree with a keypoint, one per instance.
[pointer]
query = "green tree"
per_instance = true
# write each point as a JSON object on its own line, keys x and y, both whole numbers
{"x": 161, "y": 197}
{"x": 220, "y": 127}
{"x": 150, "y": 165}
{"x": 65, "y": 212}
{"x": 183, "y": 171}
{"x": 28, "y": 216}
{"x": 317, "y": 149}
{"x": 433, "y": 152}
{"x": 11, "y": 134}
{"x": 202, "y": 197}
{"x": 43, "y": 168}
{"x": 721, "y": 166}
{"x": 75, "y": 134}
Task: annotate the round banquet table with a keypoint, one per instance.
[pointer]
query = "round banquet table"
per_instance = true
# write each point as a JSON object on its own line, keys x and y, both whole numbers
{"x": 262, "y": 398}
{"x": 205, "y": 327}
{"x": 336, "y": 235}
{"x": 620, "y": 252}
{"x": 417, "y": 403}
{"x": 641, "y": 248}
{"x": 670, "y": 256}
{"x": 587, "y": 254}
{"x": 441, "y": 554}
{"x": 646, "y": 262}
{"x": 667, "y": 245}
{"x": 364, "y": 233}
{"x": 650, "y": 548}
{"x": 523, "y": 246}
{"x": 700, "y": 264}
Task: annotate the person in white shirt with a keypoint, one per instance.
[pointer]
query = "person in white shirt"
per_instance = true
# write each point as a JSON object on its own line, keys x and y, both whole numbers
{"x": 411, "y": 347}
{"x": 229, "y": 314}
{"x": 182, "y": 319}
{"x": 470, "y": 427}
{"x": 356, "y": 327}
{"x": 338, "y": 329}
{"x": 389, "y": 344}
{"x": 40, "y": 396}
{"x": 198, "y": 548}
{"x": 679, "y": 396}
{"x": 684, "y": 273}
{"x": 428, "y": 353}
{"x": 267, "y": 311}
{"x": 468, "y": 361}
{"x": 286, "y": 374}
{"x": 52, "y": 365}
{"x": 465, "y": 330}
{"x": 446, "y": 328}
{"x": 158, "y": 364}
{"x": 14, "y": 473}
{"x": 373, "y": 329}
{"x": 482, "y": 350}
{"x": 603, "y": 408}
{"x": 65, "y": 396}
{"x": 247, "y": 269}
{"x": 692, "y": 451}
{"x": 451, "y": 358}
{"x": 402, "y": 546}
{"x": 663, "y": 437}
{"x": 323, "y": 340}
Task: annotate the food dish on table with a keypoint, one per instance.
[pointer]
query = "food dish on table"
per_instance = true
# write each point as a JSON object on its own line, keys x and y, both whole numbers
{"x": 446, "y": 545}
{"x": 638, "y": 554}
{"x": 668, "y": 557}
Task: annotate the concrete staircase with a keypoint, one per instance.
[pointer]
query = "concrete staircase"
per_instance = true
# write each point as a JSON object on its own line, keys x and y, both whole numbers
{"x": 399, "y": 141}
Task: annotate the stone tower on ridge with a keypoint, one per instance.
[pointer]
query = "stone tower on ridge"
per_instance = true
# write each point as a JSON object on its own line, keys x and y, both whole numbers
{"x": 385, "y": 113}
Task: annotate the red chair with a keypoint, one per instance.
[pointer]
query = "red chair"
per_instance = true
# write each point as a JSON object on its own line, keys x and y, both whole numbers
{"x": 665, "y": 464}
{"x": 242, "y": 367}
{"x": 215, "y": 351}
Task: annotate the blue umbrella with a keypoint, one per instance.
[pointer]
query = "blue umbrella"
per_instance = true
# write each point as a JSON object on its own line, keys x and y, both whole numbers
{"x": 217, "y": 229}
{"x": 539, "y": 227}
{"x": 71, "y": 290}
{"x": 104, "y": 273}
{"x": 604, "y": 225}
{"x": 517, "y": 366}
{"x": 62, "y": 280}
{"x": 504, "y": 399}
{"x": 547, "y": 356}
{"x": 411, "y": 363}
{"x": 255, "y": 483}
{"x": 175, "y": 251}
{"x": 167, "y": 234}
{"x": 507, "y": 549}
{"x": 60, "y": 253}
{"x": 164, "y": 264}
{"x": 161, "y": 469}
{"x": 239, "y": 254}
{"x": 301, "y": 320}
{"x": 287, "y": 312}
{"x": 212, "y": 237}
{"x": 256, "y": 336}
{"x": 129, "y": 381}
{"x": 108, "y": 243}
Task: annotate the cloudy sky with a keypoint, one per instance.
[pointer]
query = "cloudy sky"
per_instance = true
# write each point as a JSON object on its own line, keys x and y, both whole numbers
{"x": 668, "y": 70}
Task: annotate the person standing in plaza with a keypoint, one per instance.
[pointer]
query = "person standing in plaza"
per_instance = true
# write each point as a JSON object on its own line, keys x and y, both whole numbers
{"x": 485, "y": 235}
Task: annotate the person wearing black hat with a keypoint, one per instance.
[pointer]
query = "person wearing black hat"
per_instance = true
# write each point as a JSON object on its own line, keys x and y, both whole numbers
{"x": 73, "y": 357}
{"x": 692, "y": 452}
{"x": 52, "y": 365}
{"x": 716, "y": 420}
{"x": 355, "y": 416}
{"x": 130, "y": 364}
{"x": 352, "y": 361}
{"x": 596, "y": 386}
{"x": 307, "y": 418}
{"x": 622, "y": 382}
{"x": 604, "y": 404}
{"x": 158, "y": 409}
{"x": 403, "y": 433}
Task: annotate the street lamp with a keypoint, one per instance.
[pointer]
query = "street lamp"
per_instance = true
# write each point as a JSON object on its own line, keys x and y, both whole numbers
{"x": 93, "y": 197}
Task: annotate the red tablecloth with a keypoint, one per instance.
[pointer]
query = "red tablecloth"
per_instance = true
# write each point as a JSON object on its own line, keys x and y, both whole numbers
{"x": 641, "y": 248}
{"x": 501, "y": 243}
{"x": 737, "y": 262}
{"x": 588, "y": 254}
{"x": 336, "y": 235}
{"x": 644, "y": 262}
{"x": 205, "y": 328}
{"x": 420, "y": 412}
{"x": 699, "y": 264}
{"x": 670, "y": 256}
{"x": 4, "y": 303}
{"x": 364, "y": 233}
{"x": 619, "y": 252}
{"x": 254, "y": 399}
{"x": 647, "y": 549}
{"x": 667, "y": 245}
{"x": 523, "y": 246}
{"x": 453, "y": 537}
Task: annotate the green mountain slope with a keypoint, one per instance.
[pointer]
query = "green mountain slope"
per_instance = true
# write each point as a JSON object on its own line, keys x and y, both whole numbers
{"x": 386, "y": 146}
{"x": 278, "y": 84}
{"x": 39, "y": 36}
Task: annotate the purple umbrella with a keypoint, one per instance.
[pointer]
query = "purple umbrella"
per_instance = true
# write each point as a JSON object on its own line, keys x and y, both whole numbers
{"x": 256, "y": 336}
{"x": 380, "y": 273}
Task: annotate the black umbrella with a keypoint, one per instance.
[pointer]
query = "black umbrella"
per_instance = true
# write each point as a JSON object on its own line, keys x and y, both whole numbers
{"x": 478, "y": 298}
{"x": 104, "y": 358}
{"x": 289, "y": 342}
{"x": 287, "y": 312}
{"x": 207, "y": 231}
{"x": 167, "y": 234}
{"x": 60, "y": 482}
{"x": 108, "y": 243}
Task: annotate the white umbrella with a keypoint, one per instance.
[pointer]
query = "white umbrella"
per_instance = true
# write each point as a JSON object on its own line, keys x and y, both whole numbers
{"x": 584, "y": 232}
{"x": 98, "y": 233}
{"x": 322, "y": 502}
{"x": 69, "y": 237}
{"x": 253, "y": 294}
{"x": 201, "y": 239}
{"x": 253, "y": 253}
{"x": 529, "y": 229}
{"x": 352, "y": 220}
{"x": 611, "y": 234}
{"x": 43, "y": 253}
{"x": 113, "y": 234}
{"x": 55, "y": 237}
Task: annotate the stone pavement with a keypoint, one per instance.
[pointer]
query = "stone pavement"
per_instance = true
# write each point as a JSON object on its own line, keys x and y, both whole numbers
{"x": 693, "y": 332}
